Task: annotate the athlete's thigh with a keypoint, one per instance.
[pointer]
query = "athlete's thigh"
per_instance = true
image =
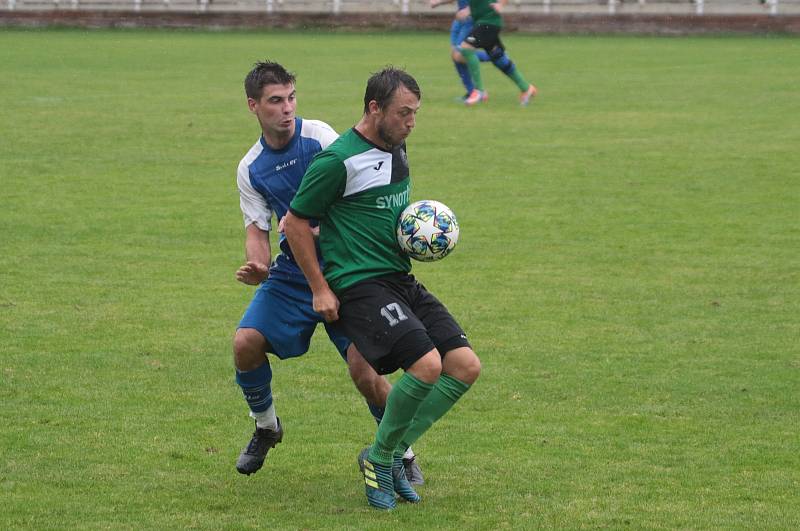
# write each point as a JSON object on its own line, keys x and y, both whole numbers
{"x": 283, "y": 313}
{"x": 383, "y": 326}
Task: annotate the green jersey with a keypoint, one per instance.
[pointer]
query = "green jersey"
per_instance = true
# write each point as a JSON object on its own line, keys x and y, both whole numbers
{"x": 482, "y": 13}
{"x": 356, "y": 190}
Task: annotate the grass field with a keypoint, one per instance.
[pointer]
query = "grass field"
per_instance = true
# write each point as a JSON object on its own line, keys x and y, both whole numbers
{"x": 628, "y": 271}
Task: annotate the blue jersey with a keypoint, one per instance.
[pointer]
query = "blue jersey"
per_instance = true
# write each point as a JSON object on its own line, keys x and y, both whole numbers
{"x": 268, "y": 179}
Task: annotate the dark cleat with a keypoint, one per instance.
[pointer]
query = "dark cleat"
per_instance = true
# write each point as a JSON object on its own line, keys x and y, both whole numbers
{"x": 413, "y": 472}
{"x": 252, "y": 458}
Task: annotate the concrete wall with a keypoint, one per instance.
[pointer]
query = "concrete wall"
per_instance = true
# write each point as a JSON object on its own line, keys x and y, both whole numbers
{"x": 588, "y": 22}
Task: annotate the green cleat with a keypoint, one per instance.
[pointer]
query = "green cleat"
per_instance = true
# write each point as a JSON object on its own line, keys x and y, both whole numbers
{"x": 400, "y": 483}
{"x": 378, "y": 483}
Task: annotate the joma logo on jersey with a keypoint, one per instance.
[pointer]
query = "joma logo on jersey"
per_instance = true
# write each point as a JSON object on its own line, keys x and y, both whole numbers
{"x": 286, "y": 164}
{"x": 394, "y": 200}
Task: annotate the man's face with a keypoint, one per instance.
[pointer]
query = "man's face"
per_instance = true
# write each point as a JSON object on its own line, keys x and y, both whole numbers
{"x": 396, "y": 120}
{"x": 275, "y": 109}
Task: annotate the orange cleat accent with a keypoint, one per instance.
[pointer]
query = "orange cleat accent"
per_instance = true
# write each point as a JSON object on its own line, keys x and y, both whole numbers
{"x": 527, "y": 96}
{"x": 475, "y": 97}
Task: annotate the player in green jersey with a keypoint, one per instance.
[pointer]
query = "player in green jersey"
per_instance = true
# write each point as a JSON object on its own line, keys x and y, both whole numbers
{"x": 356, "y": 188}
{"x": 487, "y": 23}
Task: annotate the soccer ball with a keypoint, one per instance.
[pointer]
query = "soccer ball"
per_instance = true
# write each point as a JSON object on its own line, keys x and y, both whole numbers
{"x": 427, "y": 230}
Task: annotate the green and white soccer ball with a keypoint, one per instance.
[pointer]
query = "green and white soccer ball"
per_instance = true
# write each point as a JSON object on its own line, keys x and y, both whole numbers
{"x": 427, "y": 230}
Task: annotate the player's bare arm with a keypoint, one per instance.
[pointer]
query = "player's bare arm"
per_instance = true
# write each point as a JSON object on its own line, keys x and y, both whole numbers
{"x": 437, "y": 3}
{"x": 301, "y": 241}
{"x": 257, "y": 251}
{"x": 314, "y": 230}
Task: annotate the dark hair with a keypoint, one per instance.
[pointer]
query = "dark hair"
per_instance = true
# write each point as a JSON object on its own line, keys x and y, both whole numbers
{"x": 265, "y": 73}
{"x": 382, "y": 85}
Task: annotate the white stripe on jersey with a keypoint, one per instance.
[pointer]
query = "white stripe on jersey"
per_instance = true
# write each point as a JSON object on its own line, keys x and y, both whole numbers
{"x": 366, "y": 170}
{"x": 255, "y": 208}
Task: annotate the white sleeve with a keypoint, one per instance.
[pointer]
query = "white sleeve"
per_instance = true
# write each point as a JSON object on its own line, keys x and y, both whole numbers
{"x": 320, "y": 131}
{"x": 255, "y": 207}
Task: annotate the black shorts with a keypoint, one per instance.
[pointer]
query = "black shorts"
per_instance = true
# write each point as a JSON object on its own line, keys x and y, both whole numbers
{"x": 394, "y": 321}
{"x": 485, "y": 36}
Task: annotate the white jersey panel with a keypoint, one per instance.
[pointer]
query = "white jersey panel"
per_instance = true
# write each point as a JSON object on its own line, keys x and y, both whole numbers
{"x": 319, "y": 131}
{"x": 367, "y": 170}
{"x": 255, "y": 207}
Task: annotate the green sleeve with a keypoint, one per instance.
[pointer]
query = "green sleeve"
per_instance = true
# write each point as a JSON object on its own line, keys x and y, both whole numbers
{"x": 322, "y": 184}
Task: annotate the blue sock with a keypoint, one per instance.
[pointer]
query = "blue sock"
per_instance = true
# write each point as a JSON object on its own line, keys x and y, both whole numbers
{"x": 255, "y": 387}
{"x": 377, "y": 412}
{"x": 483, "y": 56}
{"x": 463, "y": 73}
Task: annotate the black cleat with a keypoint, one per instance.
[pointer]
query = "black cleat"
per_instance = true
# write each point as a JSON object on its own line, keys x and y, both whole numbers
{"x": 252, "y": 458}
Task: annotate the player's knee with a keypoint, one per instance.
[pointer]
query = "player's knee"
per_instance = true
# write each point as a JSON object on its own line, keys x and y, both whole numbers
{"x": 249, "y": 349}
{"x": 471, "y": 369}
{"x": 369, "y": 383}
{"x": 457, "y": 56}
{"x": 496, "y": 53}
{"x": 500, "y": 59}
{"x": 463, "y": 364}
{"x": 428, "y": 367}
{"x": 362, "y": 374}
{"x": 373, "y": 387}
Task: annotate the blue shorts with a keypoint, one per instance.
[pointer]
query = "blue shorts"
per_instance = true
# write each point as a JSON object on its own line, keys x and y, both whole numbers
{"x": 459, "y": 31}
{"x": 282, "y": 311}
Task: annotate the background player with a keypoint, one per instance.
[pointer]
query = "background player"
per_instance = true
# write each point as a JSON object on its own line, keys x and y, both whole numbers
{"x": 280, "y": 318}
{"x": 357, "y": 187}
{"x": 459, "y": 30}
{"x": 487, "y": 23}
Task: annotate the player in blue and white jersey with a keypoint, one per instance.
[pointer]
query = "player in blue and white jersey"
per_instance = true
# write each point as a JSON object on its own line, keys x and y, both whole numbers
{"x": 459, "y": 30}
{"x": 280, "y": 318}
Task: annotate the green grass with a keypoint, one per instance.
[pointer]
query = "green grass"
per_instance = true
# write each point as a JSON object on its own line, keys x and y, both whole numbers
{"x": 628, "y": 273}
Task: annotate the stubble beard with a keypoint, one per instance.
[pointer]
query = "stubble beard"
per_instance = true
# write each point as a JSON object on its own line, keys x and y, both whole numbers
{"x": 383, "y": 134}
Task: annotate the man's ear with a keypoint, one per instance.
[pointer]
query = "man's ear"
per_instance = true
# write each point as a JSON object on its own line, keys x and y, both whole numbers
{"x": 373, "y": 107}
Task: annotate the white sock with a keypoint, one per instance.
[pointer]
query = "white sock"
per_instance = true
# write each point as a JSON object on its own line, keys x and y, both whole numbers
{"x": 409, "y": 453}
{"x": 266, "y": 419}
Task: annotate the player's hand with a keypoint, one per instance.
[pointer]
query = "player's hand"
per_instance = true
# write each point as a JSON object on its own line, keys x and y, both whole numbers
{"x": 252, "y": 273}
{"x": 498, "y": 7}
{"x": 462, "y": 14}
{"x": 326, "y": 304}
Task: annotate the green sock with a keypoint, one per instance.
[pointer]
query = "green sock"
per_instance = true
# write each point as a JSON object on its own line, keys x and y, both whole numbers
{"x": 445, "y": 394}
{"x": 474, "y": 65}
{"x": 517, "y": 78}
{"x": 405, "y": 398}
